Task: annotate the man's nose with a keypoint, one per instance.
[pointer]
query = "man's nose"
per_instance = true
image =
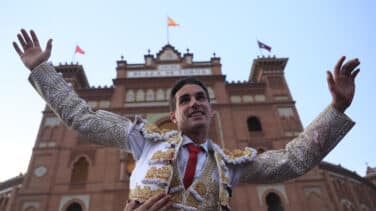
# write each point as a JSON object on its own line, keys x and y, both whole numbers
{"x": 193, "y": 102}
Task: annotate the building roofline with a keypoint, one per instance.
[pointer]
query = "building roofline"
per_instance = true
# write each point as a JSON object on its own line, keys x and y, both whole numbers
{"x": 343, "y": 171}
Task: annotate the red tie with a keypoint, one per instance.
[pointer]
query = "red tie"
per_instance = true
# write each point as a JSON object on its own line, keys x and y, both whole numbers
{"x": 191, "y": 165}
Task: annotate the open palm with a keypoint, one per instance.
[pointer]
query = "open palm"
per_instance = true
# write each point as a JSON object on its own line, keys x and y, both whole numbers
{"x": 31, "y": 53}
{"x": 342, "y": 83}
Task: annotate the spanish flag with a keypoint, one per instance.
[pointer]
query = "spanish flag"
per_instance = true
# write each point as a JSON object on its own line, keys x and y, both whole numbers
{"x": 171, "y": 22}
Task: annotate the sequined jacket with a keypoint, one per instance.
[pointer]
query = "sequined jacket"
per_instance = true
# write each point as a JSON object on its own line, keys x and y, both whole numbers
{"x": 156, "y": 169}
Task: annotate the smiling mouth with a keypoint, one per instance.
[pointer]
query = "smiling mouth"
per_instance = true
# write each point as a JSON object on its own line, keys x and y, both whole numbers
{"x": 196, "y": 114}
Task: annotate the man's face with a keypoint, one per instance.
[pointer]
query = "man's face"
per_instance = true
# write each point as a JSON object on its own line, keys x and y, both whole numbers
{"x": 193, "y": 111}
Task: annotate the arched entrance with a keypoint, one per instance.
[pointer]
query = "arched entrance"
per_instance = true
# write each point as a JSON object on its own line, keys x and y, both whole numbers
{"x": 274, "y": 202}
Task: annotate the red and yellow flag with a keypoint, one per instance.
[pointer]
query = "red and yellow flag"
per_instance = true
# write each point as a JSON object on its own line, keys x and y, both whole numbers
{"x": 171, "y": 22}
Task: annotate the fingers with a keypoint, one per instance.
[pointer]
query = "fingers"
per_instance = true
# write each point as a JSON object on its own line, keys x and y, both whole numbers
{"x": 330, "y": 80}
{"x": 22, "y": 41}
{"x": 18, "y": 50}
{"x": 353, "y": 74}
{"x": 26, "y": 36}
{"x": 349, "y": 67}
{"x": 48, "y": 48}
{"x": 25, "y": 40}
{"x": 165, "y": 207}
{"x": 35, "y": 38}
{"x": 153, "y": 199}
{"x": 130, "y": 205}
{"x": 337, "y": 67}
{"x": 163, "y": 202}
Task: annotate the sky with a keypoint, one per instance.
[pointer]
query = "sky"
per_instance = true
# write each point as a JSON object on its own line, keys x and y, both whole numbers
{"x": 312, "y": 34}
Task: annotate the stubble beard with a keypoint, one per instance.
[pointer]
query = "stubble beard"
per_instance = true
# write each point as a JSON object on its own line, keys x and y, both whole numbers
{"x": 197, "y": 129}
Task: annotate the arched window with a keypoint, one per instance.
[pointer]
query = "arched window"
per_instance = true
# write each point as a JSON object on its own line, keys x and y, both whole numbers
{"x": 168, "y": 91}
{"x": 160, "y": 95}
{"x": 80, "y": 171}
{"x": 254, "y": 124}
{"x": 150, "y": 95}
{"x": 140, "y": 96}
{"x": 211, "y": 93}
{"x": 74, "y": 207}
{"x": 274, "y": 202}
{"x": 130, "y": 96}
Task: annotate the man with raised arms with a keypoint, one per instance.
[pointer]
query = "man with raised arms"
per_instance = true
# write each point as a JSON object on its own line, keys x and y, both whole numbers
{"x": 184, "y": 169}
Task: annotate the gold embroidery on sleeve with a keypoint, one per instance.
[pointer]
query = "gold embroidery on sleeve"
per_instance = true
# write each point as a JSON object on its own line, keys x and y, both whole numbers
{"x": 144, "y": 193}
{"x": 163, "y": 173}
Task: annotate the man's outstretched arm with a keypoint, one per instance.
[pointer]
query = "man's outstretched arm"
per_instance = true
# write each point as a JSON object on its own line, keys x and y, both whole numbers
{"x": 315, "y": 142}
{"x": 101, "y": 127}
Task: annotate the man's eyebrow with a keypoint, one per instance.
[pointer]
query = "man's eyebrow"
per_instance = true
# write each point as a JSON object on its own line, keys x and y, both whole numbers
{"x": 196, "y": 93}
{"x": 200, "y": 93}
{"x": 183, "y": 96}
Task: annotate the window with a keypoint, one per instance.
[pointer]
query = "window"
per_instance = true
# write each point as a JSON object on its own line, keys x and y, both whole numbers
{"x": 247, "y": 98}
{"x": 52, "y": 121}
{"x": 168, "y": 91}
{"x": 285, "y": 112}
{"x": 140, "y": 96}
{"x": 235, "y": 99}
{"x": 274, "y": 202}
{"x": 211, "y": 93}
{"x": 130, "y": 96}
{"x": 254, "y": 124}
{"x": 160, "y": 95}
{"x": 104, "y": 104}
{"x": 260, "y": 98}
{"x": 92, "y": 104}
{"x": 80, "y": 171}
{"x": 150, "y": 95}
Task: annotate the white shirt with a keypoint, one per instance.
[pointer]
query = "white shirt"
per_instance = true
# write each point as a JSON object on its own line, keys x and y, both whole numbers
{"x": 136, "y": 143}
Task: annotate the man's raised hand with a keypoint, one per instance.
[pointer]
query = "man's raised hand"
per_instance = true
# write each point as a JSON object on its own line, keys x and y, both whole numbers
{"x": 342, "y": 83}
{"x": 31, "y": 54}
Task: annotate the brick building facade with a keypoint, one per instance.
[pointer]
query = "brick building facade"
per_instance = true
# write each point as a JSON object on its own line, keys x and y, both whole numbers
{"x": 67, "y": 173}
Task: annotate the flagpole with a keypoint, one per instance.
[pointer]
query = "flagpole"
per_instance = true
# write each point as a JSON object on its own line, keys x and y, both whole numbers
{"x": 257, "y": 41}
{"x": 168, "y": 31}
{"x": 168, "y": 34}
{"x": 73, "y": 56}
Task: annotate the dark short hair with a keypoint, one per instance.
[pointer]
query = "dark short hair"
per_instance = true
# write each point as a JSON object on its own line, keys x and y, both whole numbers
{"x": 179, "y": 84}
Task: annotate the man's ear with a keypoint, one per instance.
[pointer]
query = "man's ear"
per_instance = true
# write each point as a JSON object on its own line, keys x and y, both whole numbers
{"x": 173, "y": 117}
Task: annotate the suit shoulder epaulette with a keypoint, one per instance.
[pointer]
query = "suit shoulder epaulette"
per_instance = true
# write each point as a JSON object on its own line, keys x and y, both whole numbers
{"x": 154, "y": 133}
{"x": 236, "y": 156}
